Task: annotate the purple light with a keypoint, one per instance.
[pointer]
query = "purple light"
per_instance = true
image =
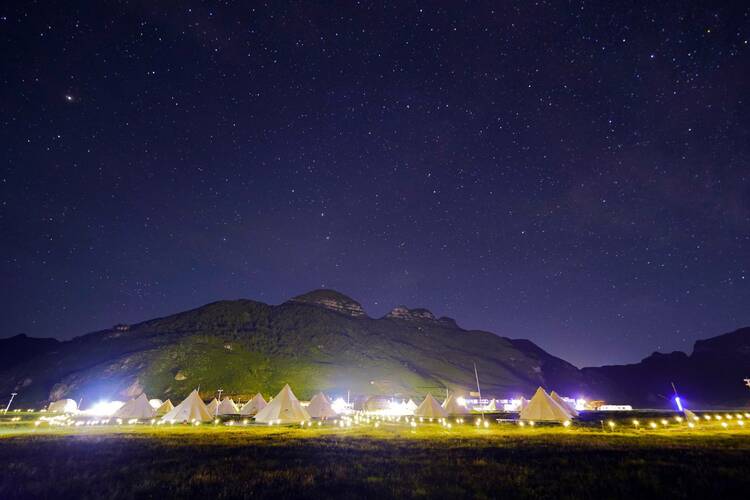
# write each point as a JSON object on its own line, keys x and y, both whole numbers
{"x": 678, "y": 402}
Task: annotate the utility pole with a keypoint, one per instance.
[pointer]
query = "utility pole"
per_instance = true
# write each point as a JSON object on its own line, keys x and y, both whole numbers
{"x": 479, "y": 391}
{"x": 216, "y": 412}
{"x": 12, "y": 395}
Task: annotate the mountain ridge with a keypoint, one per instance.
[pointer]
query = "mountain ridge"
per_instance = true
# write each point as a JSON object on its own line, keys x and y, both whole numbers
{"x": 324, "y": 340}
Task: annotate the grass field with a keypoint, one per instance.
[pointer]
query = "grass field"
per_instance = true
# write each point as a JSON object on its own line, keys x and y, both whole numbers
{"x": 502, "y": 461}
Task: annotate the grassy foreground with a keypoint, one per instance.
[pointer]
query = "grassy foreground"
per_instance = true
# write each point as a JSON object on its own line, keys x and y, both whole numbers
{"x": 393, "y": 460}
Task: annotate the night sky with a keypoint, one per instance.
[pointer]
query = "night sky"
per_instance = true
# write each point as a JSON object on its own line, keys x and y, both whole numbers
{"x": 572, "y": 173}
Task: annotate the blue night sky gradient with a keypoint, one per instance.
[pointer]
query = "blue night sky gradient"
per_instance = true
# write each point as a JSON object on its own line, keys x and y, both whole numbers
{"x": 571, "y": 173}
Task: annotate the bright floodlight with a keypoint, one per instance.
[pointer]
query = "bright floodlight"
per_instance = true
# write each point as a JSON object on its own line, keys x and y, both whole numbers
{"x": 104, "y": 408}
{"x": 340, "y": 406}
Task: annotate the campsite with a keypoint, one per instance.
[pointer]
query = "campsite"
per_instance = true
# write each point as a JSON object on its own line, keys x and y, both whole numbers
{"x": 395, "y": 459}
{"x": 285, "y": 451}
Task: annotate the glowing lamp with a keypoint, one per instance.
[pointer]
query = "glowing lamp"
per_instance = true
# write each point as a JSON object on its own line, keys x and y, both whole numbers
{"x": 678, "y": 402}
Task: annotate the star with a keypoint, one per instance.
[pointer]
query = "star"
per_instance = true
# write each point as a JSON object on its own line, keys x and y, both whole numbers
{"x": 69, "y": 98}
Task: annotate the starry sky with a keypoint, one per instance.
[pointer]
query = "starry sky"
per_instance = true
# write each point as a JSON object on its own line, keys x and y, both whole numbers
{"x": 574, "y": 173}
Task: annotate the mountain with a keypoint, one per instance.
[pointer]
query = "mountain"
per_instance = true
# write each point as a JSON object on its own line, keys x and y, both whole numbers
{"x": 712, "y": 376}
{"x": 322, "y": 340}
{"x": 16, "y": 350}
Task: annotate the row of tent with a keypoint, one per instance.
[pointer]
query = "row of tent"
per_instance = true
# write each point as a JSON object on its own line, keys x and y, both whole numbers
{"x": 286, "y": 408}
{"x": 542, "y": 407}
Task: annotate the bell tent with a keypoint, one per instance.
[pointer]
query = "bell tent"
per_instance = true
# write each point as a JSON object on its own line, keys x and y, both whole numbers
{"x": 192, "y": 409}
{"x": 213, "y": 407}
{"x": 453, "y": 407}
{"x": 227, "y": 407}
{"x": 411, "y": 405}
{"x": 566, "y": 406}
{"x": 430, "y": 408}
{"x": 542, "y": 408}
{"x": 165, "y": 408}
{"x": 285, "y": 408}
{"x": 138, "y": 408}
{"x": 320, "y": 407}
{"x": 253, "y": 406}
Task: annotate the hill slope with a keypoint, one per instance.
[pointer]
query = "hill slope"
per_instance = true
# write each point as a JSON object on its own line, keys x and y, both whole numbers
{"x": 322, "y": 340}
{"x": 712, "y": 376}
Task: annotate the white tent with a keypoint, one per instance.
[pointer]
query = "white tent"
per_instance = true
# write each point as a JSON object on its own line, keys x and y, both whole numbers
{"x": 411, "y": 405}
{"x": 542, "y": 408}
{"x": 524, "y": 403}
{"x": 253, "y": 406}
{"x": 155, "y": 403}
{"x": 227, "y": 407}
{"x": 192, "y": 409}
{"x": 566, "y": 406}
{"x": 165, "y": 408}
{"x": 285, "y": 408}
{"x": 213, "y": 407}
{"x": 430, "y": 408}
{"x": 320, "y": 407}
{"x": 63, "y": 406}
{"x": 491, "y": 406}
{"x": 453, "y": 407}
{"x": 138, "y": 408}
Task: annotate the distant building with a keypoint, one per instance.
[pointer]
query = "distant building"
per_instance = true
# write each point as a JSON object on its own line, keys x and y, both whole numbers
{"x": 121, "y": 327}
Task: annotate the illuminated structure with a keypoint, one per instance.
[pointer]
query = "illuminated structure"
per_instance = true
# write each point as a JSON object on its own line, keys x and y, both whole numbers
{"x": 253, "y": 406}
{"x": 138, "y": 408}
{"x": 542, "y": 408}
{"x": 192, "y": 409}
{"x": 165, "y": 408}
{"x": 454, "y": 406}
{"x": 227, "y": 407}
{"x": 213, "y": 407}
{"x": 285, "y": 408}
{"x": 430, "y": 408}
{"x": 63, "y": 406}
{"x": 320, "y": 407}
